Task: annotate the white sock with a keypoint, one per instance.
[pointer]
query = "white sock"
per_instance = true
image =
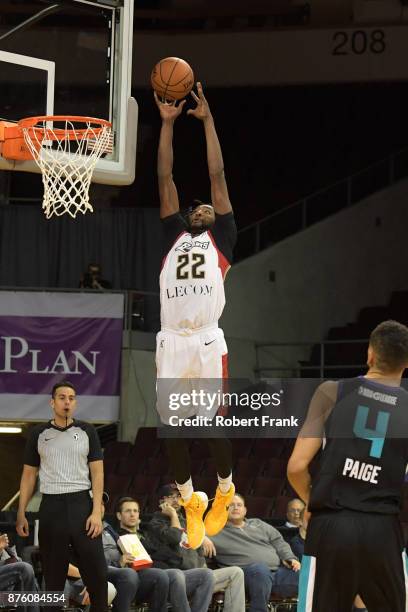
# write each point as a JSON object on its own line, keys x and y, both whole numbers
{"x": 225, "y": 483}
{"x": 186, "y": 490}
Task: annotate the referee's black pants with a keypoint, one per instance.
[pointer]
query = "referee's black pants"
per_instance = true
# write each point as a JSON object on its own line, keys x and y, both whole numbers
{"x": 62, "y": 522}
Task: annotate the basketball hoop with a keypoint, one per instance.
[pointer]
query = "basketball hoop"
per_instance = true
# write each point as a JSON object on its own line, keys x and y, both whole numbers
{"x": 67, "y": 155}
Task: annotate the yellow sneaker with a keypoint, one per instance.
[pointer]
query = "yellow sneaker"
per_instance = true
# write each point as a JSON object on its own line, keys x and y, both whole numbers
{"x": 194, "y": 509}
{"x": 218, "y": 515}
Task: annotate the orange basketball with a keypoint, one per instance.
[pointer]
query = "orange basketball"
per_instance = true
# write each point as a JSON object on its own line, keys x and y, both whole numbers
{"x": 172, "y": 78}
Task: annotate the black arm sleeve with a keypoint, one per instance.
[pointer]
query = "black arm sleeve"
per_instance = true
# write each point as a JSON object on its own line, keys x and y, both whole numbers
{"x": 173, "y": 226}
{"x": 31, "y": 455}
{"x": 95, "y": 450}
{"x": 224, "y": 233}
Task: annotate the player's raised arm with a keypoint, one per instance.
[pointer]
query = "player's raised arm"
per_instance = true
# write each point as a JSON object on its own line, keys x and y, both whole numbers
{"x": 169, "y": 202}
{"x": 219, "y": 191}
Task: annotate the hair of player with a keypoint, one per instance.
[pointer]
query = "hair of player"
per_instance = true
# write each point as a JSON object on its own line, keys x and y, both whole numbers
{"x": 124, "y": 500}
{"x": 63, "y": 383}
{"x": 389, "y": 341}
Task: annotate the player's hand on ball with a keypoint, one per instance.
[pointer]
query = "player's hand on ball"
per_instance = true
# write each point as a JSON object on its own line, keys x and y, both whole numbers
{"x": 202, "y": 110}
{"x": 169, "y": 111}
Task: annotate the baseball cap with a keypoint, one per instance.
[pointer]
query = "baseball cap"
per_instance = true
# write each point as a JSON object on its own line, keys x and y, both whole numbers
{"x": 105, "y": 497}
{"x": 167, "y": 490}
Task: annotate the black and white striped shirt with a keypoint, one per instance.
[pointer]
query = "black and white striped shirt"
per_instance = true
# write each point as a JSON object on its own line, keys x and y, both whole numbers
{"x": 62, "y": 456}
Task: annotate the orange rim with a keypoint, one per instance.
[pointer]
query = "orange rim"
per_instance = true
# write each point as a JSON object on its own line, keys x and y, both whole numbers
{"x": 29, "y": 124}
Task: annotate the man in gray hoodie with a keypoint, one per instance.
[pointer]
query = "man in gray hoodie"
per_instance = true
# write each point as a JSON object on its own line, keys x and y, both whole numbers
{"x": 260, "y": 550}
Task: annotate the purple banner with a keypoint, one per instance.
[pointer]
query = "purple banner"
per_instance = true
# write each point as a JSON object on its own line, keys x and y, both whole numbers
{"x": 35, "y": 352}
{"x": 49, "y": 337}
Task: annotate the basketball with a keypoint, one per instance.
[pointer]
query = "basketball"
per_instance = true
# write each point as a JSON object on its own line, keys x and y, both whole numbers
{"x": 172, "y": 78}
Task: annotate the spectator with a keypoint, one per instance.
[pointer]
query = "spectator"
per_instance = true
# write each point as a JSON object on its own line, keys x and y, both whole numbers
{"x": 294, "y": 513}
{"x": 91, "y": 279}
{"x": 259, "y": 549}
{"x": 15, "y": 574}
{"x": 164, "y": 542}
{"x": 149, "y": 585}
{"x": 290, "y": 528}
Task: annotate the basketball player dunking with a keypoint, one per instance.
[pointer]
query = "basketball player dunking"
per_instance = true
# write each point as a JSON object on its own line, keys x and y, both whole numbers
{"x": 191, "y": 346}
{"x": 354, "y": 543}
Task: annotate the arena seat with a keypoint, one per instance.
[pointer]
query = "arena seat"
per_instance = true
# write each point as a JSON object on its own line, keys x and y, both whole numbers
{"x": 264, "y": 486}
{"x": 117, "y": 449}
{"x": 143, "y": 484}
{"x": 268, "y": 447}
{"x": 281, "y": 504}
{"x": 276, "y": 468}
{"x": 259, "y": 507}
{"x": 249, "y": 467}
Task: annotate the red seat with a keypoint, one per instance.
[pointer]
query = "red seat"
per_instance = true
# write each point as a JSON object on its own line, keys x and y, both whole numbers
{"x": 243, "y": 484}
{"x": 259, "y": 507}
{"x": 249, "y": 467}
{"x": 241, "y": 447}
{"x": 143, "y": 484}
{"x": 142, "y": 453}
{"x": 129, "y": 465}
{"x": 281, "y": 504}
{"x": 268, "y": 447}
{"x": 265, "y": 486}
{"x": 117, "y": 449}
{"x": 276, "y": 468}
{"x": 146, "y": 436}
{"x": 109, "y": 464}
{"x": 117, "y": 484}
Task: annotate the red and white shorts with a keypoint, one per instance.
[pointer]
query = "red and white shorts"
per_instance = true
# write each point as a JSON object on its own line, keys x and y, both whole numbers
{"x": 190, "y": 363}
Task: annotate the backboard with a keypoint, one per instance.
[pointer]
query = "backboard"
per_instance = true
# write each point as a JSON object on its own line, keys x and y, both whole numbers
{"x": 71, "y": 57}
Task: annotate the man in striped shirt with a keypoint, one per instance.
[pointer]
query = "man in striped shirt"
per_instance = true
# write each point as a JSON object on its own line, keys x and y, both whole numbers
{"x": 67, "y": 456}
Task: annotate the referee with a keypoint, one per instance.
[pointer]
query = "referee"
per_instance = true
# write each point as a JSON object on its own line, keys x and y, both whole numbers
{"x": 67, "y": 455}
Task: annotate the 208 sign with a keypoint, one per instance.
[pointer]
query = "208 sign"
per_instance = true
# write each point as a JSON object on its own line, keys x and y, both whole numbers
{"x": 359, "y": 42}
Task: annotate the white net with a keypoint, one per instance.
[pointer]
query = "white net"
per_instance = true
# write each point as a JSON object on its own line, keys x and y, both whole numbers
{"x": 67, "y": 155}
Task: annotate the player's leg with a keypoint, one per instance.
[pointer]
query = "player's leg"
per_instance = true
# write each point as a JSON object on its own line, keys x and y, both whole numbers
{"x": 383, "y": 583}
{"x": 173, "y": 363}
{"x": 214, "y": 374}
{"x": 330, "y": 566}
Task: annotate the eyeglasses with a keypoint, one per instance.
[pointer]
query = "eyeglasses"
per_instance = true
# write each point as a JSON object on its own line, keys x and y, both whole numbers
{"x": 173, "y": 496}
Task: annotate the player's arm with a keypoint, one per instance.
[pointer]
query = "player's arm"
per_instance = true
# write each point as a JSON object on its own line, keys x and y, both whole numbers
{"x": 219, "y": 190}
{"x": 169, "y": 202}
{"x": 310, "y": 439}
{"x": 27, "y": 488}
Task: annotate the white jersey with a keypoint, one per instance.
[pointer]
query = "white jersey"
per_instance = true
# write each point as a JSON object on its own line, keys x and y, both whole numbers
{"x": 192, "y": 277}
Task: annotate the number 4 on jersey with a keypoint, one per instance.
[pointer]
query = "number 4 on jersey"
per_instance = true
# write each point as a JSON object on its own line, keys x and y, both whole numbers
{"x": 377, "y": 436}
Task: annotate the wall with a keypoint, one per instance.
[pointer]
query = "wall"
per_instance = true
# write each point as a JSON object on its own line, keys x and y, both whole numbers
{"x": 324, "y": 275}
